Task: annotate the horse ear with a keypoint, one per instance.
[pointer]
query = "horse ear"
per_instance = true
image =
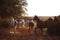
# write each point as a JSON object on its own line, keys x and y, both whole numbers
{"x": 35, "y": 17}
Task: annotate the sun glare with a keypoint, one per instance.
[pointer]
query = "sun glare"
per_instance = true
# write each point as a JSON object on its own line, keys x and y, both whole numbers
{"x": 43, "y": 7}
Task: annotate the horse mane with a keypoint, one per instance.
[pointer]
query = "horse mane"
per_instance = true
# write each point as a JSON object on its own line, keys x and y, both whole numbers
{"x": 36, "y": 18}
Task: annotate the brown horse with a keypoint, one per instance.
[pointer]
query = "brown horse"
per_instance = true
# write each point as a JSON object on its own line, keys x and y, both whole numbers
{"x": 31, "y": 24}
{"x": 38, "y": 24}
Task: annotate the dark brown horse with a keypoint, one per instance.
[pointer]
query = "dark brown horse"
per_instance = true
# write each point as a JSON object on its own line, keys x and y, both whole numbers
{"x": 31, "y": 24}
{"x": 39, "y": 24}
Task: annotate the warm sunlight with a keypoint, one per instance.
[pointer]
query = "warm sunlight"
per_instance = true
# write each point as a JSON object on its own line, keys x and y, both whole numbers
{"x": 43, "y": 7}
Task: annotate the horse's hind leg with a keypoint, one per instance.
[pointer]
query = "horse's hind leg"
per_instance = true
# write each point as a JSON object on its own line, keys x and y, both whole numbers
{"x": 29, "y": 28}
{"x": 41, "y": 31}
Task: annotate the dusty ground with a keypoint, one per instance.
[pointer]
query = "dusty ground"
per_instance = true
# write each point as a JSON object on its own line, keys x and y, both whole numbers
{"x": 22, "y": 34}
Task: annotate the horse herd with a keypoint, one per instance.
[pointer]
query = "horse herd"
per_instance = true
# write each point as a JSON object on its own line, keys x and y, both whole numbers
{"x": 21, "y": 23}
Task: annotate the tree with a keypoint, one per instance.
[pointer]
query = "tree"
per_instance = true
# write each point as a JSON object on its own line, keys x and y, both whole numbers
{"x": 12, "y": 7}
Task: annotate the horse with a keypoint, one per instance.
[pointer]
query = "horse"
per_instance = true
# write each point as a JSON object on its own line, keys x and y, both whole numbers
{"x": 38, "y": 23}
{"x": 31, "y": 24}
{"x": 20, "y": 23}
{"x": 13, "y": 22}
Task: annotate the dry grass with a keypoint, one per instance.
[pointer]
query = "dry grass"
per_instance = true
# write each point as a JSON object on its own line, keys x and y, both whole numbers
{"x": 22, "y": 34}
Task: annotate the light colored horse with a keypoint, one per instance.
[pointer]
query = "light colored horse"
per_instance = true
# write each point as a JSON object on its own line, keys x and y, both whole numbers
{"x": 12, "y": 22}
{"x": 26, "y": 24}
{"x": 20, "y": 23}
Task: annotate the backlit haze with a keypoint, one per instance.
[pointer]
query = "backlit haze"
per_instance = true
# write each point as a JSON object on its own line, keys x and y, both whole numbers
{"x": 43, "y": 7}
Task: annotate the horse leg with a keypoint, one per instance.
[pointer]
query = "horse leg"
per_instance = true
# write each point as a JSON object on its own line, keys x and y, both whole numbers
{"x": 35, "y": 30}
{"x": 41, "y": 31}
{"x": 29, "y": 28}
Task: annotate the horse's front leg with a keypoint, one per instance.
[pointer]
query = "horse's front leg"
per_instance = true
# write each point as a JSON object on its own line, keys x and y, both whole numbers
{"x": 35, "y": 30}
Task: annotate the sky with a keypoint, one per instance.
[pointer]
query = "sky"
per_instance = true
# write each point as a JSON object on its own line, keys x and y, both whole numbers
{"x": 43, "y": 7}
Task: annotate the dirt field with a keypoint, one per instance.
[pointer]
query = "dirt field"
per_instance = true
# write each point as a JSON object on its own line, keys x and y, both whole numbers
{"x": 7, "y": 34}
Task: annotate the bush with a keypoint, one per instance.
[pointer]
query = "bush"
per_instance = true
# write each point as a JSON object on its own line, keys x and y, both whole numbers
{"x": 54, "y": 30}
{"x": 4, "y": 24}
